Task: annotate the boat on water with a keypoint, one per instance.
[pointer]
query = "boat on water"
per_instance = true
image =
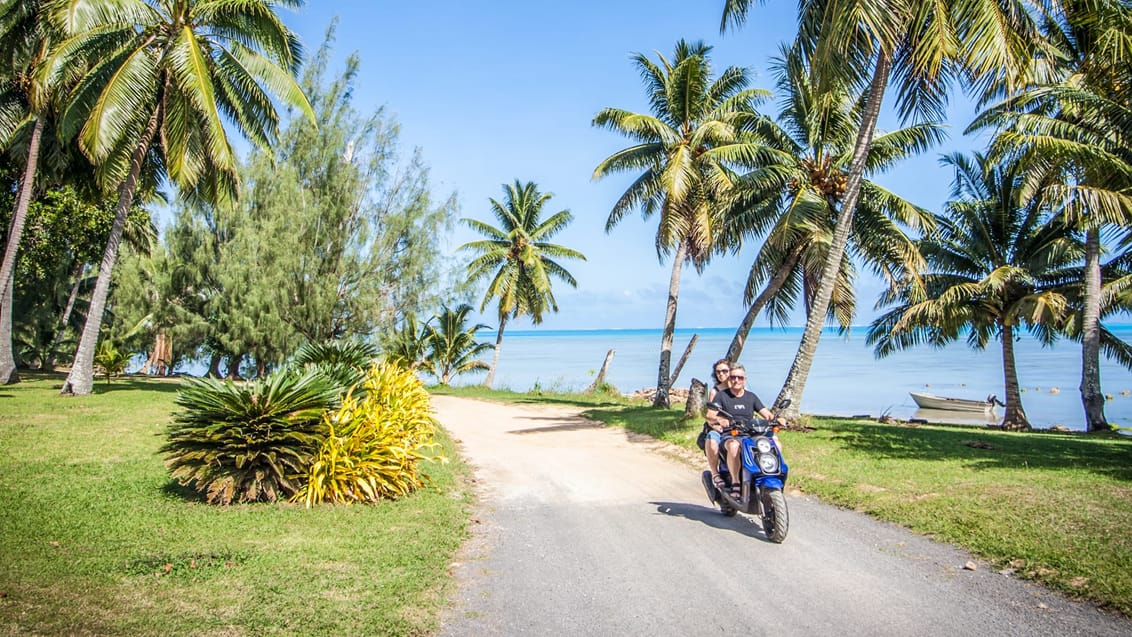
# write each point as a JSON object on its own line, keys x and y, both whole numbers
{"x": 931, "y": 401}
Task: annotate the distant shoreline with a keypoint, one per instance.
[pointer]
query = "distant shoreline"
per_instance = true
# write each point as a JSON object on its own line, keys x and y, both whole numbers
{"x": 846, "y": 378}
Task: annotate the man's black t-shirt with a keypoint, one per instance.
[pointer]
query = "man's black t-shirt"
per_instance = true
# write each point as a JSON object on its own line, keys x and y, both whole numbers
{"x": 745, "y": 407}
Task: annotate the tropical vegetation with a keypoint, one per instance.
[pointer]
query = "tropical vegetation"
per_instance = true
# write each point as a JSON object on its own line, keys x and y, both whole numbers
{"x": 519, "y": 259}
{"x": 792, "y": 198}
{"x": 330, "y": 240}
{"x": 685, "y": 154}
{"x": 452, "y": 345}
{"x": 161, "y": 79}
{"x": 375, "y": 441}
{"x": 995, "y": 262}
{"x": 248, "y": 442}
{"x": 1075, "y": 128}
{"x": 918, "y": 47}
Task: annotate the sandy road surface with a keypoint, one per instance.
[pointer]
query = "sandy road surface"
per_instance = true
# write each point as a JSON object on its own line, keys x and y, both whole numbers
{"x": 585, "y": 530}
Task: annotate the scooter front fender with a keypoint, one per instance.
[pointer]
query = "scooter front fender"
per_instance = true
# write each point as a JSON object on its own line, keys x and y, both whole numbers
{"x": 770, "y": 482}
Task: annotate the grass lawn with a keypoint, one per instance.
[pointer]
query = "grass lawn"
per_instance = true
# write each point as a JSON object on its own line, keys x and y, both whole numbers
{"x": 97, "y": 540}
{"x": 1055, "y": 508}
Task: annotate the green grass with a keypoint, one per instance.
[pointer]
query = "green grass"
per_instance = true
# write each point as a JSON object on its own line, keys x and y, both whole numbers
{"x": 97, "y": 539}
{"x": 1055, "y": 508}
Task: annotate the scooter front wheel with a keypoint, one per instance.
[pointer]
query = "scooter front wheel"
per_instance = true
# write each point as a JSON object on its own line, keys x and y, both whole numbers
{"x": 776, "y": 517}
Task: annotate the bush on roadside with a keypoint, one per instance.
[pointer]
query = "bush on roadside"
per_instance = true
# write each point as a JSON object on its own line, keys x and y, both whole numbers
{"x": 251, "y": 441}
{"x": 375, "y": 441}
{"x": 343, "y": 363}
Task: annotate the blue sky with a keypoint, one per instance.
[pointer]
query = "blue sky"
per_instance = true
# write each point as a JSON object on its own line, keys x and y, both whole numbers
{"x": 497, "y": 91}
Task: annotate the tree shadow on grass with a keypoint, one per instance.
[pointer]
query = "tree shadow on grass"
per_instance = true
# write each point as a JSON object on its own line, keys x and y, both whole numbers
{"x": 164, "y": 386}
{"x": 987, "y": 449}
{"x": 645, "y": 419}
{"x": 173, "y": 489}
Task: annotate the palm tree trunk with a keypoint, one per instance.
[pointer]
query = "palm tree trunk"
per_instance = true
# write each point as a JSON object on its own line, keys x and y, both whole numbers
{"x": 660, "y": 399}
{"x": 8, "y": 375}
{"x": 795, "y": 383}
{"x": 65, "y": 319}
{"x": 80, "y": 381}
{"x": 20, "y": 213}
{"x": 1091, "y": 394}
{"x": 495, "y": 357}
{"x": 735, "y": 350}
{"x": 1015, "y": 417}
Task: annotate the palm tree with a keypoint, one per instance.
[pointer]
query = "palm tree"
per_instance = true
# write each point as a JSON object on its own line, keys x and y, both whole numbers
{"x": 799, "y": 192}
{"x": 518, "y": 258}
{"x": 995, "y": 262}
{"x": 164, "y": 77}
{"x": 407, "y": 344}
{"x": 1078, "y": 128}
{"x": 687, "y": 150}
{"x": 918, "y": 44}
{"x": 26, "y": 104}
{"x": 452, "y": 344}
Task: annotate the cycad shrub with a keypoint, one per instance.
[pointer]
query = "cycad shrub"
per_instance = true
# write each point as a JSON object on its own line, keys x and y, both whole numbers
{"x": 248, "y": 442}
{"x": 375, "y": 441}
{"x": 343, "y": 363}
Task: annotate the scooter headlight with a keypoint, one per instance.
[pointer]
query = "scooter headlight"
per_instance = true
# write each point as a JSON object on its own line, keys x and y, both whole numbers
{"x": 763, "y": 445}
{"x": 768, "y": 462}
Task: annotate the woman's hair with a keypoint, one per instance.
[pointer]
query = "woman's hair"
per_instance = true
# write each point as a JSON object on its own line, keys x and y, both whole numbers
{"x": 717, "y": 363}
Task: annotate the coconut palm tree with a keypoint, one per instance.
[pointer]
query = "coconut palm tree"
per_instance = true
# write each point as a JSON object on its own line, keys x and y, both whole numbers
{"x": 995, "y": 263}
{"x": 26, "y": 108}
{"x": 407, "y": 344}
{"x": 685, "y": 155}
{"x": 800, "y": 190}
{"x": 164, "y": 78}
{"x": 920, "y": 46}
{"x": 26, "y": 35}
{"x": 1078, "y": 128}
{"x": 453, "y": 348}
{"x": 518, "y": 258}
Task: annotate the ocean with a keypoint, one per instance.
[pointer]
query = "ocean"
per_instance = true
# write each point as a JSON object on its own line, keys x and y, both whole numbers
{"x": 845, "y": 379}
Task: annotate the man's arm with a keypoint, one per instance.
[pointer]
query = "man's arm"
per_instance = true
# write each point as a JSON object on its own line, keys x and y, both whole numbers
{"x": 715, "y": 419}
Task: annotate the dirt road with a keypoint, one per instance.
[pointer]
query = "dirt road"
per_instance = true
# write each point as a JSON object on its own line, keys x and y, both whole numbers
{"x": 590, "y": 530}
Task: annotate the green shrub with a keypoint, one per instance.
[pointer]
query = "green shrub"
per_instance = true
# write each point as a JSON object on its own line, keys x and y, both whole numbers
{"x": 247, "y": 442}
{"x": 375, "y": 441}
{"x": 343, "y": 363}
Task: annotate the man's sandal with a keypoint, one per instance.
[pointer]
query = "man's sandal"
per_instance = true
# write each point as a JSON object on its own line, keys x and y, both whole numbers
{"x": 717, "y": 480}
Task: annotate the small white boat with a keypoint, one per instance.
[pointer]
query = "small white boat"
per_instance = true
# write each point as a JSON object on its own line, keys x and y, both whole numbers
{"x": 931, "y": 401}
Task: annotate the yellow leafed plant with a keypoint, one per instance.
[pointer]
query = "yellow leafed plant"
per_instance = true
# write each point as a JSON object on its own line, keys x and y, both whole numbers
{"x": 376, "y": 441}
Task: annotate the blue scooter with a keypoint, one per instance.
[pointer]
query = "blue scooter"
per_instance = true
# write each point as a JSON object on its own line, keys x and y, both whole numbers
{"x": 764, "y": 476}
